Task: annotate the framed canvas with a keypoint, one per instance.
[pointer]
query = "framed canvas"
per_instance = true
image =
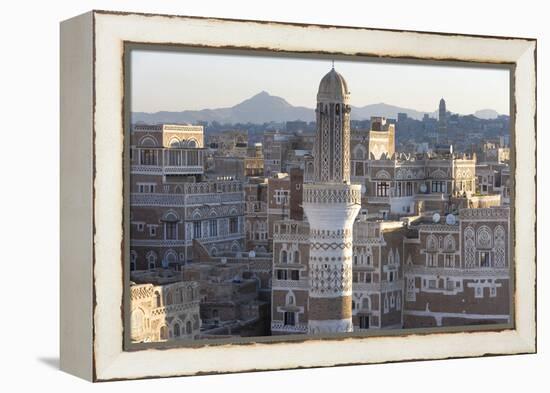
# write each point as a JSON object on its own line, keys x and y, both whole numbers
{"x": 235, "y": 197}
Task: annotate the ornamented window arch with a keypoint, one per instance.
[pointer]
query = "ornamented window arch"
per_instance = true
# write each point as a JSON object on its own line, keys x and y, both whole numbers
{"x": 500, "y": 247}
{"x": 484, "y": 237}
{"x": 383, "y": 175}
{"x": 390, "y": 258}
{"x": 431, "y": 243}
{"x": 196, "y": 215}
{"x": 188, "y": 327}
{"x": 296, "y": 257}
{"x": 449, "y": 243}
{"x": 290, "y": 299}
{"x": 170, "y": 257}
{"x": 192, "y": 143}
{"x": 438, "y": 174}
{"x": 137, "y": 322}
{"x": 359, "y": 152}
{"x": 397, "y": 258}
{"x": 235, "y": 247}
{"x": 158, "y": 299}
{"x": 176, "y": 330}
{"x": 163, "y": 332}
{"x": 147, "y": 141}
{"x": 174, "y": 142}
{"x": 366, "y": 303}
{"x": 284, "y": 256}
{"x": 469, "y": 247}
{"x": 151, "y": 258}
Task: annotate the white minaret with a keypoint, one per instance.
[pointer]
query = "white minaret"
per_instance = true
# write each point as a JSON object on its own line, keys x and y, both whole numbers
{"x": 331, "y": 204}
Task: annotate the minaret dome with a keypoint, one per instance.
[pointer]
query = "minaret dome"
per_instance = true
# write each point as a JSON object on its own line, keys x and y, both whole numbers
{"x": 333, "y": 88}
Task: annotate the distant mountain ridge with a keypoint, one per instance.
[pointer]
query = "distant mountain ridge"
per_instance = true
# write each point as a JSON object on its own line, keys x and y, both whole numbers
{"x": 264, "y": 108}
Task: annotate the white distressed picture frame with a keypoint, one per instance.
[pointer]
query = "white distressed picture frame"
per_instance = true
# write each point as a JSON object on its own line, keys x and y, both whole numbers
{"x": 92, "y": 147}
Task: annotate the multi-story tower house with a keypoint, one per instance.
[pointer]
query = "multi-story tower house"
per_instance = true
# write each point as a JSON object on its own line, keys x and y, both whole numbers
{"x": 256, "y": 214}
{"x": 331, "y": 204}
{"x": 174, "y": 203}
{"x": 458, "y": 273}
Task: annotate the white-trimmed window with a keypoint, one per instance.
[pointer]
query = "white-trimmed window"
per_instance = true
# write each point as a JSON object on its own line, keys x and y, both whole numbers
{"x": 478, "y": 292}
{"x": 213, "y": 224}
{"x": 197, "y": 230}
{"x": 281, "y": 197}
{"x": 364, "y": 322}
{"x": 146, "y": 187}
{"x": 290, "y": 318}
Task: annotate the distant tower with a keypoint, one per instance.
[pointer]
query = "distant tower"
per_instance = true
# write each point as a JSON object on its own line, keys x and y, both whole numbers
{"x": 331, "y": 204}
{"x": 442, "y": 136}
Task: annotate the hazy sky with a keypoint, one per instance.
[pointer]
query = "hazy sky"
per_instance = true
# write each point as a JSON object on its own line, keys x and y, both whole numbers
{"x": 176, "y": 81}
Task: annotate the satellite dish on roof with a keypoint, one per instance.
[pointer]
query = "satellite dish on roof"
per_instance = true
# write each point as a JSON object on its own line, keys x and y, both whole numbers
{"x": 450, "y": 219}
{"x": 436, "y": 217}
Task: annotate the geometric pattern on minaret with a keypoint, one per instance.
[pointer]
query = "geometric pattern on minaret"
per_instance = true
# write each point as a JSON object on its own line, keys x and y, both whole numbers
{"x": 331, "y": 204}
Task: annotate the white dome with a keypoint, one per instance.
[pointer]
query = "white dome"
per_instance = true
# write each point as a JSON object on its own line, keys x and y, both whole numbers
{"x": 333, "y": 88}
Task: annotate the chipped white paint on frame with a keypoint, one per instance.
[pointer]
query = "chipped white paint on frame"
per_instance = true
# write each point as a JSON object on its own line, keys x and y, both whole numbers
{"x": 110, "y": 359}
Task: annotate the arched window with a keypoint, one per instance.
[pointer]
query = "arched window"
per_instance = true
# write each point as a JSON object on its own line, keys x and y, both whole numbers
{"x": 366, "y": 303}
{"x": 431, "y": 243}
{"x": 133, "y": 259}
{"x": 449, "y": 243}
{"x": 163, "y": 332}
{"x": 390, "y": 258}
{"x": 359, "y": 152}
{"x": 137, "y": 323}
{"x": 284, "y": 256}
{"x": 151, "y": 260}
{"x": 484, "y": 237}
{"x": 170, "y": 258}
{"x": 296, "y": 258}
{"x": 190, "y": 293}
{"x": 158, "y": 299}
{"x": 174, "y": 142}
{"x": 148, "y": 141}
{"x": 169, "y": 298}
{"x": 177, "y": 330}
{"x": 192, "y": 143}
{"x": 188, "y": 327}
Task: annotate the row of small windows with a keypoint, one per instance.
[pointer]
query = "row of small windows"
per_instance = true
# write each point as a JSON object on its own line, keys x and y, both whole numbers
{"x": 287, "y": 274}
{"x": 392, "y": 302}
{"x": 287, "y": 257}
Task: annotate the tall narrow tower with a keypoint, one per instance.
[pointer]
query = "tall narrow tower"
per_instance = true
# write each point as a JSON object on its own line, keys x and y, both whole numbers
{"x": 331, "y": 204}
{"x": 442, "y": 136}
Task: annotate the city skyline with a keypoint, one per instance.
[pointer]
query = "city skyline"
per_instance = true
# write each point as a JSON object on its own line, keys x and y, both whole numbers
{"x": 177, "y": 81}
